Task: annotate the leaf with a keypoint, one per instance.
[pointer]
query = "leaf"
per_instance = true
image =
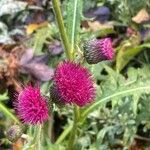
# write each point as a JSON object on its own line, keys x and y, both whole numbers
{"x": 144, "y": 111}
{"x": 139, "y": 87}
{"x": 101, "y": 134}
{"x": 11, "y": 7}
{"x": 136, "y": 98}
{"x": 40, "y": 59}
{"x": 39, "y": 39}
{"x": 39, "y": 71}
{"x": 103, "y": 32}
{"x": 97, "y": 26}
{"x": 4, "y": 35}
{"x": 34, "y": 26}
{"x": 127, "y": 53}
{"x": 102, "y": 13}
{"x": 4, "y": 97}
{"x": 55, "y": 48}
{"x": 27, "y": 56}
{"x": 74, "y": 16}
{"x": 141, "y": 16}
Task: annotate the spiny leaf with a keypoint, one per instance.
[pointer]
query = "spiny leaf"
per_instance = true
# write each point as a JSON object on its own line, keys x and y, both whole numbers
{"x": 116, "y": 87}
{"x": 121, "y": 92}
{"x": 39, "y": 39}
{"x": 74, "y": 15}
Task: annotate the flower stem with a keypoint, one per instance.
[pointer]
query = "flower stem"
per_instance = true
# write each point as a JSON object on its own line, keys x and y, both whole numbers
{"x": 38, "y": 140}
{"x": 74, "y": 129}
{"x": 60, "y": 23}
{"x": 64, "y": 134}
{"x": 70, "y": 56}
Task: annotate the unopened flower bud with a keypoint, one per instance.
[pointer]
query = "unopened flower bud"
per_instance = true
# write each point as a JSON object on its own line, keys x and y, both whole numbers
{"x": 55, "y": 96}
{"x": 97, "y": 50}
{"x": 14, "y": 133}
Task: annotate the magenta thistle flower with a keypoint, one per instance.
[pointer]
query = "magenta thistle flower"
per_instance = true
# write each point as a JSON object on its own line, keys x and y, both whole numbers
{"x": 31, "y": 106}
{"x": 74, "y": 84}
{"x": 97, "y": 50}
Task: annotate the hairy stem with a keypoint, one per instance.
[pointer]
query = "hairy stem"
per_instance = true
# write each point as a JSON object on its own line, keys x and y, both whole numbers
{"x": 74, "y": 129}
{"x": 69, "y": 54}
{"x": 64, "y": 134}
{"x": 38, "y": 138}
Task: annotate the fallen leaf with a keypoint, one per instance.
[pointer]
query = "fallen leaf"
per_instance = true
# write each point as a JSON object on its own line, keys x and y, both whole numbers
{"x": 142, "y": 16}
{"x": 40, "y": 59}
{"x": 55, "y": 48}
{"x": 36, "y": 17}
{"x": 33, "y": 27}
{"x": 102, "y": 14}
{"x": 96, "y": 25}
{"x": 27, "y": 56}
{"x": 17, "y": 145}
{"x": 34, "y": 2}
{"x": 39, "y": 71}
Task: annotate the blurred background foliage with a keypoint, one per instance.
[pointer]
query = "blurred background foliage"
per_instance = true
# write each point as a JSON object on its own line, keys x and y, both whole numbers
{"x": 30, "y": 49}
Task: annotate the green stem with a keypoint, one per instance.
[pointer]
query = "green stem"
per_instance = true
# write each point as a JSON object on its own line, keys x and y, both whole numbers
{"x": 69, "y": 54}
{"x": 60, "y": 23}
{"x": 38, "y": 138}
{"x": 74, "y": 129}
{"x": 7, "y": 112}
{"x": 64, "y": 134}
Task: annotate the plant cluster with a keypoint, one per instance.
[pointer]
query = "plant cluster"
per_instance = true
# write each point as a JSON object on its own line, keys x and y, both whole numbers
{"x": 72, "y": 82}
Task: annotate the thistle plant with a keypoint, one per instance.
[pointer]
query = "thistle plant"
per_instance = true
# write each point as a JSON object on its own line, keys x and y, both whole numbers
{"x": 85, "y": 103}
{"x": 72, "y": 83}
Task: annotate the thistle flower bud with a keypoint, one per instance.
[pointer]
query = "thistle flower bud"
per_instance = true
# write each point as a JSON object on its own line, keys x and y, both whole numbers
{"x": 14, "y": 133}
{"x": 55, "y": 96}
{"x": 97, "y": 50}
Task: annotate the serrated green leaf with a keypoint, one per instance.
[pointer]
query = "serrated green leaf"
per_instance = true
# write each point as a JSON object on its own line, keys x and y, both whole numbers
{"x": 73, "y": 20}
{"x": 39, "y": 39}
{"x": 4, "y": 96}
{"x": 101, "y": 134}
{"x": 121, "y": 91}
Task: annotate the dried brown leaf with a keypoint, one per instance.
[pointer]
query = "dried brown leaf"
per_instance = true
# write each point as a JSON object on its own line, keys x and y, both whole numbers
{"x": 96, "y": 25}
{"x": 142, "y": 16}
{"x": 27, "y": 56}
{"x": 39, "y": 71}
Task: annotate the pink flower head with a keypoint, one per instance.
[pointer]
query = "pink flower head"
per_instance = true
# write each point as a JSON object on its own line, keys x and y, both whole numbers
{"x": 31, "y": 106}
{"x": 97, "y": 50}
{"x": 74, "y": 83}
